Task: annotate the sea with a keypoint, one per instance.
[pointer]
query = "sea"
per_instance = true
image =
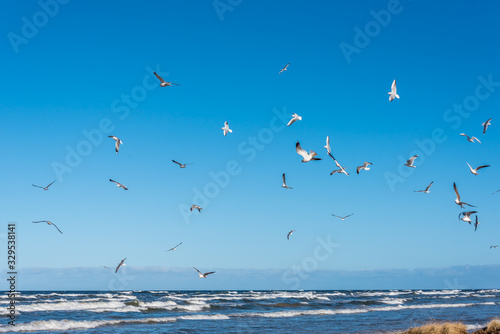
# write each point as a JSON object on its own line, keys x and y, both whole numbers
{"x": 343, "y": 311}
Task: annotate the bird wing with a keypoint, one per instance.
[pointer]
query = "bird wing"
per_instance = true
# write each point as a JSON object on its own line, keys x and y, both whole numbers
{"x": 177, "y": 162}
{"x": 284, "y": 182}
{"x": 50, "y": 184}
{"x": 475, "y": 139}
{"x": 463, "y": 134}
{"x": 484, "y": 166}
{"x": 198, "y": 271}
{"x": 456, "y": 191}
{"x": 159, "y": 78}
{"x": 358, "y": 169}
{"x": 292, "y": 121}
{"x": 211, "y": 272}
{"x": 327, "y": 146}
{"x": 393, "y": 87}
{"x": 41, "y": 221}
{"x": 56, "y": 227}
{"x": 300, "y": 150}
{"x": 348, "y": 215}
{"x": 37, "y": 186}
{"x": 410, "y": 161}
{"x": 429, "y": 186}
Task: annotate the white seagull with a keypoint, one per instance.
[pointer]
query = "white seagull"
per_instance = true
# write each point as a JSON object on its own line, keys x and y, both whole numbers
{"x": 44, "y": 188}
{"x": 289, "y": 234}
{"x": 174, "y": 248}
{"x": 117, "y": 144}
{"x": 295, "y": 117}
{"x": 226, "y": 128}
{"x": 181, "y": 165}
{"x": 457, "y": 200}
{"x": 393, "y": 93}
{"x": 426, "y": 191}
{"x": 410, "y": 161}
{"x": 471, "y": 139}
{"x": 343, "y": 218}
{"x": 474, "y": 171}
{"x": 365, "y": 166}
{"x": 466, "y": 216}
{"x": 485, "y": 125}
{"x": 118, "y": 184}
{"x": 307, "y": 156}
{"x": 164, "y": 83}
{"x": 49, "y": 223}
{"x": 327, "y": 146}
{"x": 340, "y": 170}
{"x": 120, "y": 264}
{"x": 203, "y": 275}
{"x": 284, "y": 183}
{"x": 194, "y": 206}
{"x": 476, "y": 224}
{"x": 284, "y": 68}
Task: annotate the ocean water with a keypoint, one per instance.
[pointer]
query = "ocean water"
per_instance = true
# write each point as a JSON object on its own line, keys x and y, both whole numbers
{"x": 345, "y": 311}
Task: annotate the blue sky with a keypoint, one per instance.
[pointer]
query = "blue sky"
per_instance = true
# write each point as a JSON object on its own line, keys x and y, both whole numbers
{"x": 85, "y": 72}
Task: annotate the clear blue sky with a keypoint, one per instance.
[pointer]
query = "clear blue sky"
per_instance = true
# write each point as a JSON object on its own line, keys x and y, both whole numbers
{"x": 83, "y": 62}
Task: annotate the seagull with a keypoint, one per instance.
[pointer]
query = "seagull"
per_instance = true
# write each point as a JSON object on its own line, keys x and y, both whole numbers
{"x": 474, "y": 171}
{"x": 284, "y": 68}
{"x": 476, "y": 224}
{"x": 181, "y": 165}
{"x": 118, "y": 143}
{"x": 289, "y": 234}
{"x": 327, "y": 146}
{"x": 284, "y": 183}
{"x": 493, "y": 246}
{"x": 174, "y": 248}
{"x": 49, "y": 223}
{"x": 341, "y": 170}
{"x": 226, "y": 128}
{"x": 485, "y": 125}
{"x": 194, "y": 206}
{"x": 409, "y": 163}
{"x": 164, "y": 83}
{"x": 343, "y": 218}
{"x": 426, "y": 189}
{"x": 307, "y": 156}
{"x": 466, "y": 216}
{"x": 365, "y": 166}
{"x": 120, "y": 264}
{"x": 495, "y": 192}
{"x": 118, "y": 184}
{"x": 471, "y": 139}
{"x": 203, "y": 275}
{"x": 457, "y": 200}
{"x": 393, "y": 93}
{"x": 44, "y": 188}
{"x": 295, "y": 117}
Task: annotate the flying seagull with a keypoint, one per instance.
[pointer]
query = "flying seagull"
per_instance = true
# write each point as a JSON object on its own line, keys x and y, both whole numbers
{"x": 295, "y": 117}
{"x": 457, "y": 200}
{"x": 426, "y": 189}
{"x": 120, "y": 264}
{"x": 117, "y": 144}
{"x": 476, "y": 224}
{"x": 289, "y": 234}
{"x": 284, "y": 183}
{"x": 181, "y": 165}
{"x": 203, "y": 275}
{"x": 365, "y": 166}
{"x": 495, "y": 192}
{"x": 44, "y": 188}
{"x": 174, "y": 248}
{"x": 226, "y": 128}
{"x": 327, "y": 146}
{"x": 466, "y": 216}
{"x": 471, "y": 139}
{"x": 485, "y": 125}
{"x": 49, "y": 223}
{"x": 393, "y": 93}
{"x": 495, "y": 246}
{"x": 340, "y": 170}
{"x": 307, "y": 156}
{"x": 343, "y": 218}
{"x": 284, "y": 68}
{"x": 474, "y": 171}
{"x": 194, "y": 206}
{"x": 164, "y": 83}
{"x": 118, "y": 184}
{"x": 410, "y": 161}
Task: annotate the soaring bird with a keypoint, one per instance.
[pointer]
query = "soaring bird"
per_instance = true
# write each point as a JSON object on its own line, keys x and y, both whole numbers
{"x": 284, "y": 183}
{"x": 410, "y": 161}
{"x": 44, "y": 188}
{"x": 226, "y": 128}
{"x": 120, "y": 264}
{"x": 327, "y": 146}
{"x": 289, "y": 234}
{"x": 466, "y": 216}
{"x": 341, "y": 169}
{"x": 307, "y": 156}
{"x": 476, "y": 224}
{"x": 284, "y": 68}
{"x": 474, "y": 171}
{"x": 365, "y": 166}
{"x": 471, "y": 139}
{"x": 117, "y": 144}
{"x": 295, "y": 117}
{"x": 426, "y": 189}
{"x": 457, "y": 200}
{"x": 485, "y": 125}
{"x": 49, "y": 223}
{"x": 343, "y": 218}
{"x": 181, "y": 165}
{"x": 194, "y": 206}
{"x": 203, "y": 275}
{"x": 118, "y": 184}
{"x": 164, "y": 83}
{"x": 495, "y": 246}
{"x": 174, "y": 248}
{"x": 393, "y": 93}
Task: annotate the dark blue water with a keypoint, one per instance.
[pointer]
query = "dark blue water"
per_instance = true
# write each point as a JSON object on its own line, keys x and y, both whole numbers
{"x": 247, "y": 311}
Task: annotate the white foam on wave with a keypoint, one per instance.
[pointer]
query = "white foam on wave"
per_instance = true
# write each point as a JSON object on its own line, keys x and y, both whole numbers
{"x": 388, "y": 300}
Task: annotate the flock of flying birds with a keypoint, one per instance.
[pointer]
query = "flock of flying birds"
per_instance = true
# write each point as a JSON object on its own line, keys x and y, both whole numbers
{"x": 307, "y": 157}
